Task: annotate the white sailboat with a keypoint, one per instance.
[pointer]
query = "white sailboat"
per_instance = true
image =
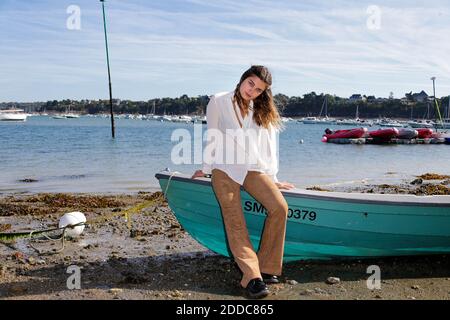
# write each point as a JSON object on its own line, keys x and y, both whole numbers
{"x": 320, "y": 119}
{"x": 67, "y": 115}
{"x": 445, "y": 123}
{"x": 70, "y": 115}
{"x": 345, "y": 122}
{"x": 423, "y": 123}
{"x": 184, "y": 118}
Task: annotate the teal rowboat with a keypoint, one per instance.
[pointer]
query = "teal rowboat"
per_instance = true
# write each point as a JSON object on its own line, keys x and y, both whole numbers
{"x": 321, "y": 225}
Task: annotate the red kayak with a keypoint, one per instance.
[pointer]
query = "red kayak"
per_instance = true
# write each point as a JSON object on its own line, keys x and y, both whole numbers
{"x": 384, "y": 134}
{"x": 346, "y": 134}
{"x": 424, "y": 133}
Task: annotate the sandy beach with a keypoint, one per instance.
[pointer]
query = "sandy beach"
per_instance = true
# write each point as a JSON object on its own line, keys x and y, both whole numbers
{"x": 152, "y": 257}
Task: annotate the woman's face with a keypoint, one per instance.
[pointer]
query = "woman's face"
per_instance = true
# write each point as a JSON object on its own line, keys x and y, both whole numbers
{"x": 251, "y": 88}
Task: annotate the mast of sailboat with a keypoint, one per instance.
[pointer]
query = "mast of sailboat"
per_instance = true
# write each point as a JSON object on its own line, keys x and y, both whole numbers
{"x": 321, "y": 109}
{"x": 448, "y": 109}
{"x": 436, "y": 104}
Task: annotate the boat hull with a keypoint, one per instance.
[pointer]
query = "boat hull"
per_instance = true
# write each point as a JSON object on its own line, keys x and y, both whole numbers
{"x": 384, "y": 134}
{"x": 405, "y": 133}
{"x": 320, "y": 226}
{"x": 347, "y": 134}
{"x": 12, "y": 117}
{"x": 424, "y": 133}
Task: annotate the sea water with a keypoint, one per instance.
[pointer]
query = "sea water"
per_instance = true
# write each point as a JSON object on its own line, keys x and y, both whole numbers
{"x": 79, "y": 155}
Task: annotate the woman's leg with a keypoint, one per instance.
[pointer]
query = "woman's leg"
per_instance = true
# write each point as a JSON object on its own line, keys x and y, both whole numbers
{"x": 264, "y": 190}
{"x": 228, "y": 194}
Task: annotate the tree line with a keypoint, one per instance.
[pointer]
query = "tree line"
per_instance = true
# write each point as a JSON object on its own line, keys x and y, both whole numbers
{"x": 310, "y": 104}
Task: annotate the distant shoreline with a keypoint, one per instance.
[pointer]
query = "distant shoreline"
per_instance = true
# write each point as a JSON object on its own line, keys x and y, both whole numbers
{"x": 424, "y": 185}
{"x": 415, "y": 106}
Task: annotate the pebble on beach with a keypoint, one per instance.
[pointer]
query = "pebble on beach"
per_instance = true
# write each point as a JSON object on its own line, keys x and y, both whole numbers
{"x": 333, "y": 280}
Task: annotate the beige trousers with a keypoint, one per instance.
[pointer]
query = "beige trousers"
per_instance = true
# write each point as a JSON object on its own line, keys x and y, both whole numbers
{"x": 269, "y": 258}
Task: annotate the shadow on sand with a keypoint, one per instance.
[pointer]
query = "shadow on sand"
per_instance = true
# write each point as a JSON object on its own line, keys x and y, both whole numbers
{"x": 208, "y": 273}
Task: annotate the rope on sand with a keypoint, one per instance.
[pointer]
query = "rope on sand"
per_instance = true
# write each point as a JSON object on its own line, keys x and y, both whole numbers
{"x": 6, "y": 237}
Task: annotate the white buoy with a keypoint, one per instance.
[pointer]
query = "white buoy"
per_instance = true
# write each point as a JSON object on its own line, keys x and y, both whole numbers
{"x": 72, "y": 218}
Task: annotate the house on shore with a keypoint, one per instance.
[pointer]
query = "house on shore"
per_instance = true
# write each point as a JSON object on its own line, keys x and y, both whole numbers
{"x": 356, "y": 98}
{"x": 422, "y": 96}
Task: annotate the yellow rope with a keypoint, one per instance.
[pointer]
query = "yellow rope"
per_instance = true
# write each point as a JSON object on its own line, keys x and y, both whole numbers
{"x": 127, "y": 214}
{"x": 438, "y": 110}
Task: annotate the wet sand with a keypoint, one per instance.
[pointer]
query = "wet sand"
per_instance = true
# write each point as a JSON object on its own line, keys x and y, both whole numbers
{"x": 154, "y": 258}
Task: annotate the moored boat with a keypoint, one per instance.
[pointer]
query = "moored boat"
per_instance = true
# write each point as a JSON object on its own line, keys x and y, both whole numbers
{"x": 355, "y": 133}
{"x": 384, "y": 134}
{"x": 421, "y": 124}
{"x": 13, "y": 115}
{"x": 424, "y": 133}
{"x": 320, "y": 225}
{"x": 406, "y": 133}
{"x": 71, "y": 116}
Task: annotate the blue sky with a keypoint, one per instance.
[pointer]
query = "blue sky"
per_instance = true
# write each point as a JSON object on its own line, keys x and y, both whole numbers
{"x": 169, "y": 48}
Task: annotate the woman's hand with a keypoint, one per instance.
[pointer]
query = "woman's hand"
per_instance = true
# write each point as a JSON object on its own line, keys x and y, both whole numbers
{"x": 197, "y": 174}
{"x": 284, "y": 185}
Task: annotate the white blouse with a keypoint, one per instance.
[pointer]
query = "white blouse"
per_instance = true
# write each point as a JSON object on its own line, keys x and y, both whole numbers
{"x": 235, "y": 149}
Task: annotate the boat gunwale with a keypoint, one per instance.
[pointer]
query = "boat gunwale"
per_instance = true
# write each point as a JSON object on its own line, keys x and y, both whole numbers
{"x": 397, "y": 200}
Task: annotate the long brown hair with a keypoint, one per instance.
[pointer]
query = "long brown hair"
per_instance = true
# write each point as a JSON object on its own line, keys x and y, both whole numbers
{"x": 265, "y": 111}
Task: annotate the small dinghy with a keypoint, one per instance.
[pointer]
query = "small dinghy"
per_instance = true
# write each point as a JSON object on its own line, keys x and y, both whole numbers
{"x": 424, "y": 133}
{"x": 384, "y": 134}
{"x": 320, "y": 225}
{"x": 406, "y": 133}
{"x": 355, "y": 133}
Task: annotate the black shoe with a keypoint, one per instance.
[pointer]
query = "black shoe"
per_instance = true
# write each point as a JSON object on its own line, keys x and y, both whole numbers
{"x": 270, "y": 279}
{"x": 256, "y": 289}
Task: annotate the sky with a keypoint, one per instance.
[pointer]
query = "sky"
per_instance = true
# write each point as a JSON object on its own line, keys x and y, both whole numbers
{"x": 55, "y": 49}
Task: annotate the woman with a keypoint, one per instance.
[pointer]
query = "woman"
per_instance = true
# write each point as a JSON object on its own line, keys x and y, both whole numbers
{"x": 249, "y": 112}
